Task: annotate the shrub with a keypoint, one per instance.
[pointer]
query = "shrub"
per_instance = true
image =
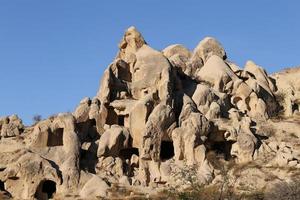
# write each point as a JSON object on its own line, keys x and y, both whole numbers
{"x": 37, "y": 118}
{"x": 284, "y": 191}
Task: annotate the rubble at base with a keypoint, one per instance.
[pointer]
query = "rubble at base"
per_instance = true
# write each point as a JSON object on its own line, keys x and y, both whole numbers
{"x": 155, "y": 116}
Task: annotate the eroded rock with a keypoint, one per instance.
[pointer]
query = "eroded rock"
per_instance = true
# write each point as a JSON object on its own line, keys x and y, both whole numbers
{"x": 156, "y": 117}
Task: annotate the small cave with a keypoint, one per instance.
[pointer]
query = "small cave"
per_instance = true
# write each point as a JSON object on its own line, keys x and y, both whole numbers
{"x": 92, "y": 130}
{"x": 127, "y": 153}
{"x": 2, "y": 187}
{"x": 166, "y": 150}
{"x": 88, "y": 161}
{"x": 87, "y": 130}
{"x": 45, "y": 190}
{"x": 295, "y": 107}
{"x": 121, "y": 120}
{"x": 93, "y": 122}
{"x": 55, "y": 138}
{"x": 222, "y": 149}
{"x": 112, "y": 117}
{"x": 123, "y": 71}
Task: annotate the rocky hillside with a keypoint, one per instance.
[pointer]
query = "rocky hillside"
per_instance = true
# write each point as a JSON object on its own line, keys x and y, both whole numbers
{"x": 171, "y": 124}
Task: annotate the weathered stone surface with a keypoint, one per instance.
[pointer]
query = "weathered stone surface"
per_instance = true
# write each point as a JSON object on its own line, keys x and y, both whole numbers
{"x": 160, "y": 119}
{"x": 11, "y": 126}
{"x": 176, "y": 49}
{"x": 95, "y": 187}
{"x": 23, "y": 178}
{"x": 112, "y": 141}
{"x": 216, "y": 72}
{"x": 209, "y": 46}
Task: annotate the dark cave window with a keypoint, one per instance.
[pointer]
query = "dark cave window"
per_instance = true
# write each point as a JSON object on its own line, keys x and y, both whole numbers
{"x": 2, "y": 188}
{"x": 55, "y": 138}
{"x": 45, "y": 190}
{"x": 295, "y": 107}
{"x": 49, "y": 187}
{"x": 93, "y": 122}
{"x": 127, "y": 153}
{"x": 166, "y": 150}
{"x": 222, "y": 149}
{"x": 121, "y": 120}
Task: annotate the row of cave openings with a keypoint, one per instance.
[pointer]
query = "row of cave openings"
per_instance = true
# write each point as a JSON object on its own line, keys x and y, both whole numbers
{"x": 220, "y": 148}
{"x": 166, "y": 151}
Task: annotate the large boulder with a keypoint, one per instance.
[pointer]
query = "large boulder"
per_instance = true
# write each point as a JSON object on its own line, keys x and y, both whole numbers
{"x": 130, "y": 43}
{"x": 209, "y": 46}
{"x": 151, "y": 73}
{"x": 113, "y": 141}
{"x": 176, "y": 49}
{"x": 189, "y": 137}
{"x": 94, "y": 188}
{"x": 217, "y": 73}
{"x": 25, "y": 177}
{"x": 11, "y": 126}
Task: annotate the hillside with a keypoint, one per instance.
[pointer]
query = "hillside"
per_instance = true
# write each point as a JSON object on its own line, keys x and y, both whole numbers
{"x": 170, "y": 124}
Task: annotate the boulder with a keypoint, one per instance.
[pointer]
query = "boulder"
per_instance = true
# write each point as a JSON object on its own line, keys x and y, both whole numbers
{"x": 176, "y": 49}
{"x": 11, "y": 126}
{"x": 216, "y": 73}
{"x": 112, "y": 141}
{"x": 95, "y": 187}
{"x": 209, "y": 46}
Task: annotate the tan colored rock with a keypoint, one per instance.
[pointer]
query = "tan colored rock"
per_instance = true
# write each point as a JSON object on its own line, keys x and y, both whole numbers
{"x": 176, "y": 49}
{"x": 95, "y": 187}
{"x": 260, "y": 76}
{"x": 131, "y": 42}
{"x": 151, "y": 74}
{"x": 112, "y": 141}
{"x": 24, "y": 178}
{"x": 209, "y": 46}
{"x": 187, "y": 138}
{"x": 159, "y": 126}
{"x": 82, "y": 111}
{"x": 138, "y": 118}
{"x": 216, "y": 72}
{"x": 245, "y": 145}
{"x": 160, "y": 120}
{"x": 203, "y": 97}
{"x": 11, "y": 126}
{"x": 110, "y": 166}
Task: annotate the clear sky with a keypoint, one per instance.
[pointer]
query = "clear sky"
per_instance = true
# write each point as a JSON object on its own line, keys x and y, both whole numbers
{"x": 53, "y": 53}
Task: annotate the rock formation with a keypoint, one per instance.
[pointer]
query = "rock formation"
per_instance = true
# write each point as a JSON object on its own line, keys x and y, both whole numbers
{"x": 156, "y": 113}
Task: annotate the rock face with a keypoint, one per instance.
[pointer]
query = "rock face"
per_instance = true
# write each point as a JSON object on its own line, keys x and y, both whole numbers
{"x": 155, "y": 113}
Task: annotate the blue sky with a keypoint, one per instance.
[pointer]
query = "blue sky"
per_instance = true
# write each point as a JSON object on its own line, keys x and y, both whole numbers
{"x": 53, "y": 53}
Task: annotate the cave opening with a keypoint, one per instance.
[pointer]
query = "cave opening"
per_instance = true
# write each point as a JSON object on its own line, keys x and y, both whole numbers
{"x": 128, "y": 152}
{"x": 222, "y": 149}
{"x": 92, "y": 130}
{"x": 2, "y": 187}
{"x": 45, "y": 190}
{"x": 55, "y": 138}
{"x": 295, "y": 107}
{"x": 93, "y": 122}
{"x": 166, "y": 150}
{"x": 121, "y": 120}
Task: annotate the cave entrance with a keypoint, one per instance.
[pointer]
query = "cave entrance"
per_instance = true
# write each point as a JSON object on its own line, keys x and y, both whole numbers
{"x": 295, "y": 107}
{"x": 121, "y": 120}
{"x": 55, "y": 138}
{"x": 166, "y": 150}
{"x": 2, "y": 187}
{"x": 45, "y": 190}
{"x": 222, "y": 149}
{"x": 127, "y": 153}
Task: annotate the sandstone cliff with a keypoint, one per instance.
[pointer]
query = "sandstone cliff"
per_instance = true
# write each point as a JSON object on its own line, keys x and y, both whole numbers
{"x": 161, "y": 121}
